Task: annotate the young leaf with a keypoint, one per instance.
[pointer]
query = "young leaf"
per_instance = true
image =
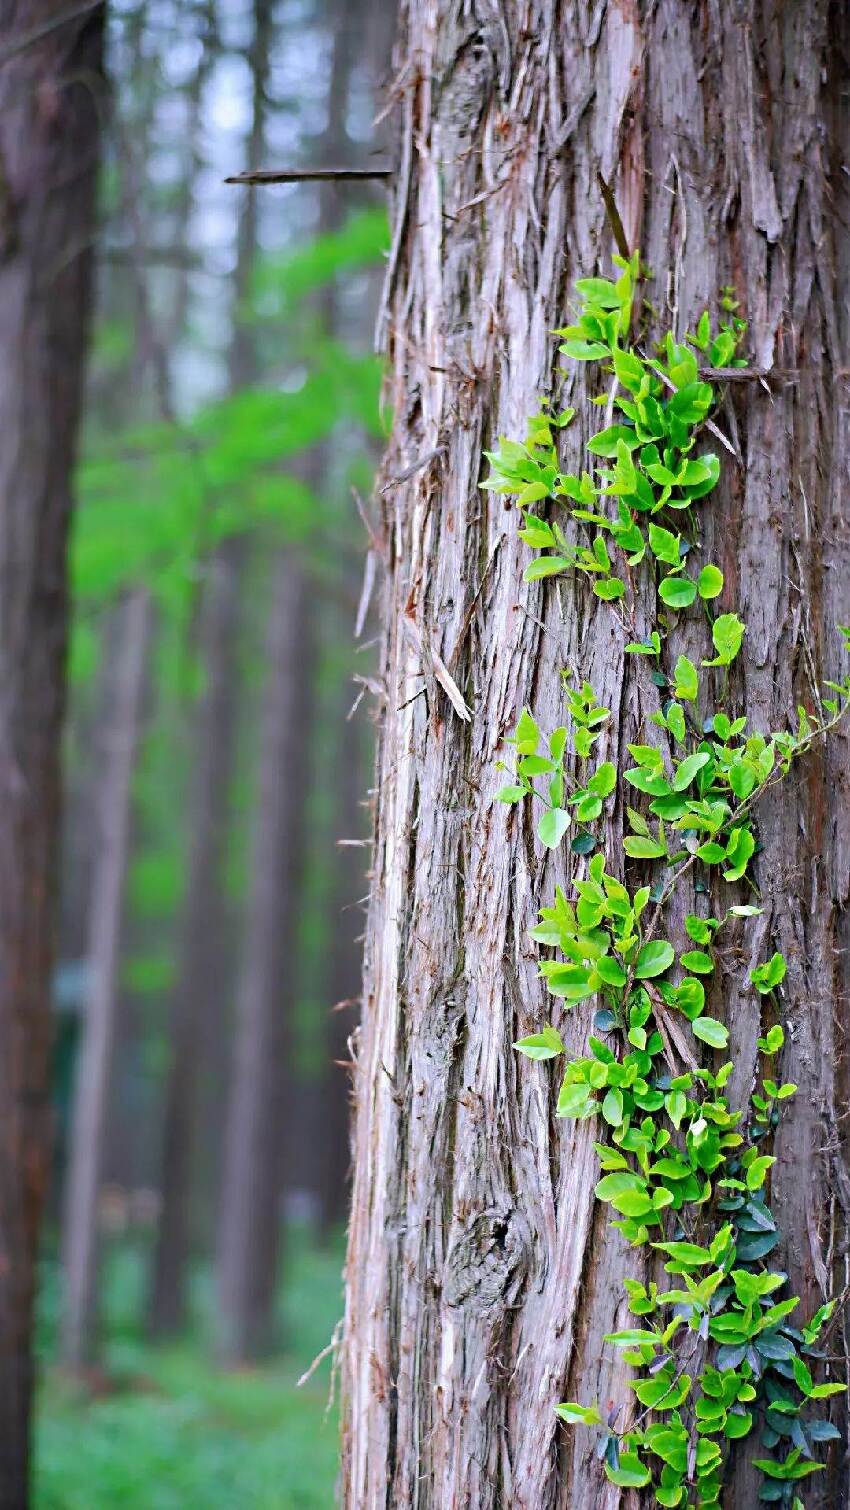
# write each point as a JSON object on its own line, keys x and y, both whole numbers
{"x": 685, "y": 680}
{"x": 527, "y": 734}
{"x": 677, "y": 592}
{"x": 728, "y": 634}
{"x": 711, "y": 1031}
{"x": 688, "y": 769}
{"x": 710, "y": 582}
{"x": 578, "y": 1415}
{"x": 653, "y": 959}
{"x": 697, "y": 961}
{"x": 543, "y": 1045}
{"x": 643, "y": 848}
{"x": 552, "y": 825}
{"x": 609, "y": 588}
{"x": 766, "y": 977}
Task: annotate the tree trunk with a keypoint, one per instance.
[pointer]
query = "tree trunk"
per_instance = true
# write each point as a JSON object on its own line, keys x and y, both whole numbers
{"x": 481, "y": 1274}
{"x": 50, "y": 78}
{"x": 202, "y": 946}
{"x": 94, "y": 1062}
{"x": 250, "y": 1207}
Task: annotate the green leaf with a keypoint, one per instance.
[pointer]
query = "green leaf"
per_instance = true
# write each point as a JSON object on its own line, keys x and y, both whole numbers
{"x": 688, "y": 769}
{"x": 604, "y": 443}
{"x": 641, "y": 848}
{"x": 685, "y": 1253}
{"x": 608, "y": 588}
{"x": 685, "y": 680}
{"x": 545, "y": 566}
{"x": 629, "y": 369}
{"x": 710, "y": 582}
{"x": 584, "y": 351}
{"x": 531, "y": 493}
{"x": 574, "y": 1101}
{"x": 711, "y": 1031}
{"x": 766, "y": 977}
{"x": 552, "y": 825}
{"x": 610, "y": 971}
{"x": 727, "y": 633}
{"x": 676, "y": 722}
{"x": 537, "y": 534}
{"x": 578, "y": 1415}
{"x": 526, "y": 734}
{"x": 583, "y": 843}
{"x": 697, "y": 961}
{"x": 630, "y": 1474}
{"x": 677, "y": 592}
{"x": 510, "y": 794}
{"x": 598, "y": 291}
{"x": 739, "y": 850}
{"x": 738, "y": 1424}
{"x": 612, "y": 1108}
{"x": 613, "y": 1185}
{"x": 711, "y": 853}
{"x": 653, "y": 959}
{"x": 664, "y": 545}
{"x": 773, "y": 1040}
{"x": 603, "y": 780}
{"x": 543, "y": 1045}
{"x": 557, "y": 744}
{"x": 757, "y": 1171}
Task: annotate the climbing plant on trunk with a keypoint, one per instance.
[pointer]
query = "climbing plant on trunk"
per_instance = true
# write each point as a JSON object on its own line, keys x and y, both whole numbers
{"x": 482, "y": 1275}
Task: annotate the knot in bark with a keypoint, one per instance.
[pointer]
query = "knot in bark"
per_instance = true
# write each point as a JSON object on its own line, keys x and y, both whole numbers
{"x": 486, "y": 1261}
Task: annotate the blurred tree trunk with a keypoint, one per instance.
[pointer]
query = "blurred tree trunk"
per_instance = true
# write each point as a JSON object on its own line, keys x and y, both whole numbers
{"x": 304, "y": 1103}
{"x": 249, "y": 1222}
{"x": 202, "y": 959}
{"x": 94, "y": 1059}
{"x": 357, "y": 31}
{"x": 50, "y": 100}
{"x": 202, "y": 964}
{"x": 481, "y": 1275}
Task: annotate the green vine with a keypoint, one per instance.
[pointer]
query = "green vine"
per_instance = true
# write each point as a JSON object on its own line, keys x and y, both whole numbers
{"x": 684, "y": 1172}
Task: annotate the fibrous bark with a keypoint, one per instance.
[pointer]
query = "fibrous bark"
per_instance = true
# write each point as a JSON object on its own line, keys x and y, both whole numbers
{"x": 481, "y": 1277}
{"x": 50, "y": 99}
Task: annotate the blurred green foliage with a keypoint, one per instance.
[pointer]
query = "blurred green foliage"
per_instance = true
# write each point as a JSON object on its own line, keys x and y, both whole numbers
{"x": 174, "y": 1434}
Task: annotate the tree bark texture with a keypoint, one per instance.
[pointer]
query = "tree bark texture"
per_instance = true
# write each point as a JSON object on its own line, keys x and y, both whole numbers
{"x": 94, "y": 1063}
{"x": 481, "y": 1274}
{"x": 343, "y": 964}
{"x": 50, "y": 100}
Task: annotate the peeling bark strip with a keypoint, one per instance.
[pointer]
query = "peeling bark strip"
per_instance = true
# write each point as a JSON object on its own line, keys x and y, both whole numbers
{"x": 50, "y": 102}
{"x": 480, "y": 1279}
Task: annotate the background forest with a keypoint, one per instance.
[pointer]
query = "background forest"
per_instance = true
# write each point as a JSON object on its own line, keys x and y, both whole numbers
{"x": 216, "y": 765}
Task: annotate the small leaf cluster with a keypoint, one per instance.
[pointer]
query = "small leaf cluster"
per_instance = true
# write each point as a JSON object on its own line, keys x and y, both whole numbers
{"x": 644, "y": 463}
{"x": 587, "y": 717}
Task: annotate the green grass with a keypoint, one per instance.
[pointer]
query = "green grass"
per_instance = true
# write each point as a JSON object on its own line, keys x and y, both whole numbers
{"x": 172, "y": 1432}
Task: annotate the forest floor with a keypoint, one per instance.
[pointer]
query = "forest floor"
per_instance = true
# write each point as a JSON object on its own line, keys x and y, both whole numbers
{"x": 165, "y": 1430}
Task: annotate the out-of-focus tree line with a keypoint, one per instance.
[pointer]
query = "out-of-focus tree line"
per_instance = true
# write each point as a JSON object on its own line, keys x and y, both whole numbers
{"x": 217, "y": 744}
